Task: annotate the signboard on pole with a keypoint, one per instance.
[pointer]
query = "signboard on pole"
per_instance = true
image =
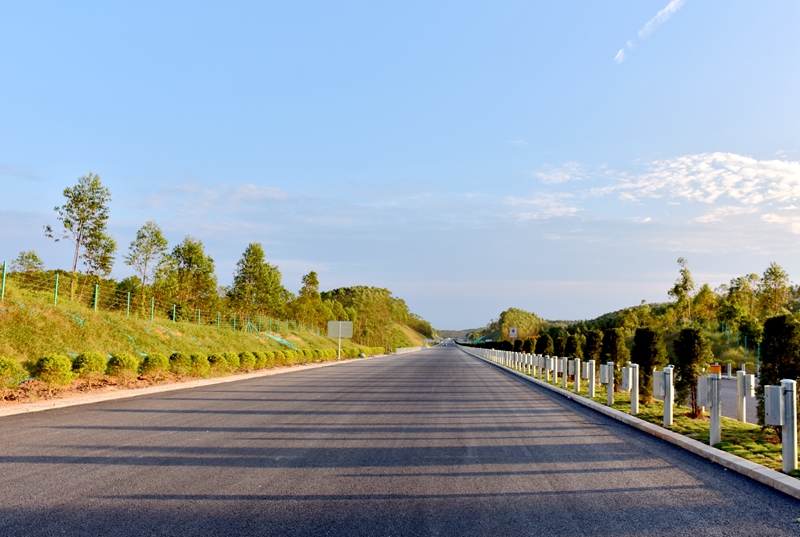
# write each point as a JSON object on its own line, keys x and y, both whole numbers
{"x": 512, "y": 332}
{"x": 339, "y": 330}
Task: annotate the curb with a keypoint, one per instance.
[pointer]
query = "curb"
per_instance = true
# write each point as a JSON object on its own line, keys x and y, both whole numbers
{"x": 771, "y": 478}
{"x": 26, "y": 408}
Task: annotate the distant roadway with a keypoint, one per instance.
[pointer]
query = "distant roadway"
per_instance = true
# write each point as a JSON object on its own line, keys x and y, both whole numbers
{"x": 430, "y": 443}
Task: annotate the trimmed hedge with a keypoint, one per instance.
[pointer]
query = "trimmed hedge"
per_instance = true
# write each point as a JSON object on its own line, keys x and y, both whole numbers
{"x": 261, "y": 360}
{"x": 180, "y": 363}
{"x": 200, "y": 365}
{"x": 232, "y": 359}
{"x": 90, "y": 365}
{"x": 123, "y": 366}
{"x": 11, "y": 374}
{"x": 155, "y": 365}
{"x": 55, "y": 369}
{"x": 247, "y": 362}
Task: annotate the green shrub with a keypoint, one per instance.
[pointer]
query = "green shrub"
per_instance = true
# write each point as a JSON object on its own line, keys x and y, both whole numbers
{"x": 261, "y": 360}
{"x": 155, "y": 365}
{"x": 233, "y": 361}
{"x": 124, "y": 367}
{"x": 200, "y": 365}
{"x": 90, "y": 365}
{"x": 218, "y": 362}
{"x": 11, "y": 374}
{"x": 180, "y": 363}
{"x": 270, "y": 358}
{"x": 246, "y": 361}
{"x": 279, "y": 358}
{"x": 55, "y": 369}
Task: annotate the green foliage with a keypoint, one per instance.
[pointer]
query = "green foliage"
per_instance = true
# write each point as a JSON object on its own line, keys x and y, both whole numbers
{"x": 780, "y": 355}
{"x": 145, "y": 252}
{"x": 692, "y": 355}
{"x": 180, "y": 363}
{"x": 544, "y": 345}
{"x": 200, "y": 365}
{"x": 99, "y": 254}
{"x": 155, "y": 365}
{"x": 529, "y": 345}
{"x": 572, "y": 347}
{"x": 186, "y": 278}
{"x": 257, "y": 284}
{"x": 247, "y": 361}
{"x": 27, "y": 262}
{"x": 124, "y": 366}
{"x": 614, "y": 350}
{"x": 54, "y": 369}
{"x": 84, "y": 217}
{"x": 593, "y": 346}
{"x": 232, "y": 359}
{"x": 683, "y": 288}
{"x": 260, "y": 360}
{"x": 648, "y": 352}
{"x": 11, "y": 374}
{"x": 218, "y": 362}
{"x": 90, "y": 365}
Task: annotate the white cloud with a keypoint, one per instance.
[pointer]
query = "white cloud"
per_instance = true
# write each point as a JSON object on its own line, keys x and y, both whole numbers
{"x": 620, "y": 57}
{"x": 544, "y": 206}
{"x": 660, "y": 18}
{"x": 721, "y": 213}
{"x": 570, "y": 171}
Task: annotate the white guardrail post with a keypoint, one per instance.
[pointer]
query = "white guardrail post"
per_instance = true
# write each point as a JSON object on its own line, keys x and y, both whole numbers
{"x": 780, "y": 409}
{"x": 669, "y": 395}
{"x": 576, "y": 368}
{"x": 564, "y": 372}
{"x": 745, "y": 387}
{"x": 610, "y": 383}
{"x": 709, "y": 395}
{"x": 591, "y": 379}
{"x": 634, "y": 389}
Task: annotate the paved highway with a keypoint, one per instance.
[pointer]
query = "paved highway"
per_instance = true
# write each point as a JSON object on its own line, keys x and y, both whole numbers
{"x": 430, "y": 443}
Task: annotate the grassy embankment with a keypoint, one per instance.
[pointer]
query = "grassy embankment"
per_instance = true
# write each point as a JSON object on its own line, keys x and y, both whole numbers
{"x": 30, "y": 327}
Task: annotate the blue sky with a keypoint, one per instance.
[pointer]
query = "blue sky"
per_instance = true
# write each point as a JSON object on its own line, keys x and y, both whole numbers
{"x": 470, "y": 156}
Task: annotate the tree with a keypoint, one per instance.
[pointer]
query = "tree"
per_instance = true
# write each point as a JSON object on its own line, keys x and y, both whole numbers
{"x": 682, "y": 290}
{"x": 705, "y": 304}
{"x": 774, "y": 290}
{"x": 544, "y": 345}
{"x": 308, "y": 304}
{"x": 648, "y": 352}
{"x": 558, "y": 345}
{"x": 145, "y": 252}
{"x": 780, "y": 355}
{"x": 692, "y": 355}
{"x": 98, "y": 254}
{"x": 593, "y": 346}
{"x": 186, "y": 278}
{"x": 84, "y": 218}
{"x": 614, "y": 350}
{"x": 257, "y": 284}
{"x": 27, "y": 262}
{"x": 572, "y": 347}
{"x": 529, "y": 345}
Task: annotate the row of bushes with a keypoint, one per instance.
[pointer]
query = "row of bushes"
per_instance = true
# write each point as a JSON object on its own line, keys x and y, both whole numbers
{"x": 60, "y": 370}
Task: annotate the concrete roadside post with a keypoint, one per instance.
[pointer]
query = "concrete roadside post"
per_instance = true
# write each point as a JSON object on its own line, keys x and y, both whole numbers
{"x": 634, "y": 389}
{"x": 577, "y": 370}
{"x": 610, "y": 384}
{"x": 669, "y": 395}
{"x": 745, "y": 387}
{"x": 729, "y": 369}
{"x": 590, "y": 378}
{"x": 715, "y": 404}
{"x": 789, "y": 429}
{"x": 564, "y": 372}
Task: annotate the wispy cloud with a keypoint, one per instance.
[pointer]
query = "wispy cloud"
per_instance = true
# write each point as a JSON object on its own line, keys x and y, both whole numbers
{"x": 660, "y": 18}
{"x": 569, "y": 171}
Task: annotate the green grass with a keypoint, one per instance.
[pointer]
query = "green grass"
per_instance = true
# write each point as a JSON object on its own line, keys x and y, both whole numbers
{"x": 745, "y": 440}
{"x": 30, "y": 327}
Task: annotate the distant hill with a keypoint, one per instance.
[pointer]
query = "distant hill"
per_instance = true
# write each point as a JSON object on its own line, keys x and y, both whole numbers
{"x": 456, "y": 333}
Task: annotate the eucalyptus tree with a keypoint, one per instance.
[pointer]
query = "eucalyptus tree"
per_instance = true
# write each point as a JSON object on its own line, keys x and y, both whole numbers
{"x": 682, "y": 290}
{"x": 84, "y": 218}
{"x": 145, "y": 252}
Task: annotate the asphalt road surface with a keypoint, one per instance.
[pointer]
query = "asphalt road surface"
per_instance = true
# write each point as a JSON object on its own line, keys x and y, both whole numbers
{"x": 431, "y": 443}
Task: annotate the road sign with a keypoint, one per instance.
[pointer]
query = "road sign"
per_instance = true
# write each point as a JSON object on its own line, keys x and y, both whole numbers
{"x": 340, "y": 329}
{"x": 512, "y": 332}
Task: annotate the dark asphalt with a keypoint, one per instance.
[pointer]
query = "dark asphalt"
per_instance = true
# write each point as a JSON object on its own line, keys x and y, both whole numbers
{"x": 430, "y": 443}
